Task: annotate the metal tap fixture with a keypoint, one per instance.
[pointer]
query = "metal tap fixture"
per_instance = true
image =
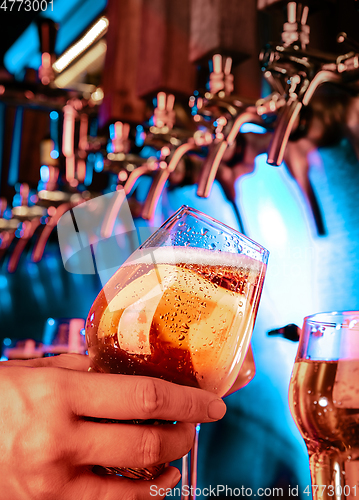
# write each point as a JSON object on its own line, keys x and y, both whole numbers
{"x": 225, "y": 114}
{"x": 295, "y": 73}
{"x": 173, "y": 144}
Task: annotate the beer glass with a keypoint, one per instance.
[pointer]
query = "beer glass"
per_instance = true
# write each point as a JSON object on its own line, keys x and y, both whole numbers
{"x": 324, "y": 402}
{"x": 181, "y": 308}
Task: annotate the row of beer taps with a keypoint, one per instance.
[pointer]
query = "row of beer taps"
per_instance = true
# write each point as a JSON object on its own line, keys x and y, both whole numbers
{"x": 294, "y": 73}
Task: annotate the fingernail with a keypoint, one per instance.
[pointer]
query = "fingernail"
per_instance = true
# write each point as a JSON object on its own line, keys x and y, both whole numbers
{"x": 216, "y": 409}
{"x": 176, "y": 476}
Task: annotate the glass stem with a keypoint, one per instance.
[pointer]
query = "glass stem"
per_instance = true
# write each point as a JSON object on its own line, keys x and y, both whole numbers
{"x": 328, "y": 475}
{"x": 194, "y": 463}
{"x": 189, "y": 470}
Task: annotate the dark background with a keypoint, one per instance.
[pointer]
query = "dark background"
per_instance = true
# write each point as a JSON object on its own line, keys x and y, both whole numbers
{"x": 12, "y": 24}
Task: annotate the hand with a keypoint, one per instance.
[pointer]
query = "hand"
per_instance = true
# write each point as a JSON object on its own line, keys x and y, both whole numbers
{"x": 48, "y": 448}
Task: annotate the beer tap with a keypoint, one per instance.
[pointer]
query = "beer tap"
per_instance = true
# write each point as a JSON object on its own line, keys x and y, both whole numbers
{"x": 8, "y": 227}
{"x": 229, "y": 114}
{"x": 30, "y": 218}
{"x": 55, "y": 200}
{"x": 164, "y": 120}
{"x": 295, "y": 73}
{"x": 174, "y": 146}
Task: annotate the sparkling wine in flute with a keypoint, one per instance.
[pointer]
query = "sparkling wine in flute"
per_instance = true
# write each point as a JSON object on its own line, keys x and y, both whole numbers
{"x": 324, "y": 402}
{"x": 182, "y": 307}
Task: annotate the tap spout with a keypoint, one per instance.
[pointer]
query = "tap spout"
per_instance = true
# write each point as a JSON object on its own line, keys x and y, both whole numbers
{"x": 287, "y": 119}
{"x": 289, "y": 114}
{"x": 39, "y": 246}
{"x": 160, "y": 180}
{"x": 216, "y": 153}
{"x": 110, "y": 217}
{"x": 29, "y": 230}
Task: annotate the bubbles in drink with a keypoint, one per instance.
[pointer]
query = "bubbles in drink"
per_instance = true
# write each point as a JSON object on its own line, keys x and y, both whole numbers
{"x": 176, "y": 315}
{"x": 323, "y": 420}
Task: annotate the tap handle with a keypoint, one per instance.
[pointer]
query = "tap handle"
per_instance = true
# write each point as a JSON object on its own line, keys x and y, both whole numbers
{"x": 119, "y": 133}
{"x": 164, "y": 114}
{"x": 296, "y": 29}
{"x": 221, "y": 78}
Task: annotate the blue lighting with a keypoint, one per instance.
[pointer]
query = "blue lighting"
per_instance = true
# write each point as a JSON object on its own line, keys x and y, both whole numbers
{"x": 99, "y": 162}
{"x": 140, "y": 136}
{"x": 54, "y": 154}
{"x": 44, "y": 173}
{"x": 5, "y": 295}
{"x": 89, "y": 173}
{"x": 73, "y": 17}
{"x": 148, "y": 151}
{"x": 3, "y": 282}
{"x": 7, "y": 342}
{"x": 54, "y": 133}
{"x": 2, "y": 118}
{"x": 252, "y": 127}
{"x": 16, "y": 201}
{"x": 7, "y": 214}
{"x": 15, "y": 148}
{"x": 49, "y": 331}
{"x": 112, "y": 131}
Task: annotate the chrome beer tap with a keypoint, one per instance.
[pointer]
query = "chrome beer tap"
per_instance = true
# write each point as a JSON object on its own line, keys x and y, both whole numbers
{"x": 174, "y": 144}
{"x": 171, "y": 144}
{"x": 8, "y": 227}
{"x": 30, "y": 219}
{"x": 295, "y": 73}
{"x": 227, "y": 114}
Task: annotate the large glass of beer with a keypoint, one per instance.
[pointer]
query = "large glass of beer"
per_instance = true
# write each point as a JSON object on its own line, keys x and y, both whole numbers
{"x": 324, "y": 402}
{"x": 182, "y": 307}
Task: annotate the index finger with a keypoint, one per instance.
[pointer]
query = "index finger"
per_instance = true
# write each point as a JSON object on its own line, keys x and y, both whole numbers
{"x": 128, "y": 397}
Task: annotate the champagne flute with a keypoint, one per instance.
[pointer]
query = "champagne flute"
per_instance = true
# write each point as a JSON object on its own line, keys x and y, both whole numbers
{"x": 324, "y": 402}
{"x": 181, "y": 308}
